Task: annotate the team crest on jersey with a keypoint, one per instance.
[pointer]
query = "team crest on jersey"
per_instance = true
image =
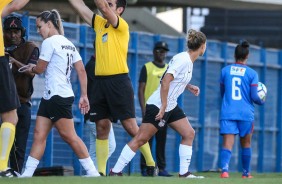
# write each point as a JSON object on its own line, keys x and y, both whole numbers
{"x": 235, "y": 70}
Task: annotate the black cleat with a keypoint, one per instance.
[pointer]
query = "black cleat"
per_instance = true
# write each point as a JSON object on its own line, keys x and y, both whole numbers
{"x": 8, "y": 173}
{"x": 101, "y": 174}
{"x": 152, "y": 171}
{"x": 115, "y": 174}
{"x": 164, "y": 173}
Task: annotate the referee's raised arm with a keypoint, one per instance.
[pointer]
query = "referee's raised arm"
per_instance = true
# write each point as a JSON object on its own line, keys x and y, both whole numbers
{"x": 84, "y": 11}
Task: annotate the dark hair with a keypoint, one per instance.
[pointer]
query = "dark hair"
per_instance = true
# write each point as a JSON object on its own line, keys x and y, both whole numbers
{"x": 54, "y": 17}
{"x": 195, "y": 39}
{"x": 121, "y": 3}
{"x": 242, "y": 51}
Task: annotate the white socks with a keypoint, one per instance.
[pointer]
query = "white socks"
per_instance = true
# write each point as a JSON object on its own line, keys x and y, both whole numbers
{"x": 125, "y": 157}
{"x": 89, "y": 167}
{"x": 112, "y": 141}
{"x": 185, "y": 154}
{"x": 87, "y": 164}
{"x": 30, "y": 166}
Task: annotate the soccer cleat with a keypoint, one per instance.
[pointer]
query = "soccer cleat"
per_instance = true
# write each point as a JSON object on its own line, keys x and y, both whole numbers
{"x": 164, "y": 173}
{"x": 95, "y": 174}
{"x": 224, "y": 175}
{"x": 114, "y": 174}
{"x": 190, "y": 175}
{"x": 247, "y": 176}
{"x": 8, "y": 173}
{"x": 144, "y": 172}
{"x": 101, "y": 174}
{"x": 152, "y": 171}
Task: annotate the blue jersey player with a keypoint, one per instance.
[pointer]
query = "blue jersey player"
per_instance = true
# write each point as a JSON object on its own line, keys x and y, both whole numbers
{"x": 238, "y": 86}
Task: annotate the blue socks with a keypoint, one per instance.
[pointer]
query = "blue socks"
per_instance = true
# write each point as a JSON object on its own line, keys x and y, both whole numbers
{"x": 246, "y": 160}
{"x": 225, "y": 156}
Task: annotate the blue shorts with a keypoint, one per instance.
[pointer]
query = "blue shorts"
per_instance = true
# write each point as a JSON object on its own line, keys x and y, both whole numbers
{"x": 242, "y": 128}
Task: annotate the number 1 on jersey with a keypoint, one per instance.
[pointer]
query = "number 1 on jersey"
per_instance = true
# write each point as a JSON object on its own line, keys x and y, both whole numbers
{"x": 70, "y": 60}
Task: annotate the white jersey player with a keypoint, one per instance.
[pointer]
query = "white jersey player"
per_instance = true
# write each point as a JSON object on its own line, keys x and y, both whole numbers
{"x": 61, "y": 55}
{"x": 58, "y": 57}
{"x": 181, "y": 67}
{"x": 162, "y": 108}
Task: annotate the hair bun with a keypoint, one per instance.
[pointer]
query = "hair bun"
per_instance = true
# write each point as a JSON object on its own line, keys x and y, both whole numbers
{"x": 191, "y": 34}
{"x": 245, "y": 44}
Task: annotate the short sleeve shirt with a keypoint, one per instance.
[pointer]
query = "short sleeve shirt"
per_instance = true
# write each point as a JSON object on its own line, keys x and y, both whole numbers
{"x": 60, "y": 54}
{"x": 181, "y": 67}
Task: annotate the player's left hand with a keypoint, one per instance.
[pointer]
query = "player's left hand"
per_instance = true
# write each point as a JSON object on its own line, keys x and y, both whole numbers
{"x": 83, "y": 105}
{"x": 194, "y": 89}
{"x": 160, "y": 115}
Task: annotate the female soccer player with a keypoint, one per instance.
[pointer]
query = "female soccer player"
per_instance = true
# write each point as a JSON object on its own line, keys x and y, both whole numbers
{"x": 162, "y": 107}
{"x": 238, "y": 86}
{"x": 57, "y": 58}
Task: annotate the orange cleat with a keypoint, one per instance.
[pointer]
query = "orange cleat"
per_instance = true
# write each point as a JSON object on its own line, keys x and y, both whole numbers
{"x": 247, "y": 176}
{"x": 224, "y": 175}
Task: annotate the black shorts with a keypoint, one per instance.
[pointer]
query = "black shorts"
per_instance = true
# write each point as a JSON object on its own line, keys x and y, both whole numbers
{"x": 112, "y": 97}
{"x": 9, "y": 99}
{"x": 169, "y": 117}
{"x": 56, "y": 108}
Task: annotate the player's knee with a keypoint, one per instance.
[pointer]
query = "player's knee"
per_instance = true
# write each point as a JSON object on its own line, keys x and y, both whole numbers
{"x": 190, "y": 134}
{"x": 69, "y": 138}
{"x": 38, "y": 136}
{"x": 140, "y": 142}
{"x": 10, "y": 117}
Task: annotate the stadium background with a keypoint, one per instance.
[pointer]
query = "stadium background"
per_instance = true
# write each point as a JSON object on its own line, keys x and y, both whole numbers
{"x": 202, "y": 111}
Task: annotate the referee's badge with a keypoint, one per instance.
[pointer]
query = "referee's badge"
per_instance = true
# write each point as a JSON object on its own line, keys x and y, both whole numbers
{"x": 105, "y": 38}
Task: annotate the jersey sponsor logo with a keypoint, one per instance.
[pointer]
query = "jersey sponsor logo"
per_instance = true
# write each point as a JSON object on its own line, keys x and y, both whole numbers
{"x": 68, "y": 47}
{"x": 235, "y": 70}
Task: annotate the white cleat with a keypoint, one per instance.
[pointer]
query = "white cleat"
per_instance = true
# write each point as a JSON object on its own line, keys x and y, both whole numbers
{"x": 93, "y": 174}
{"x": 190, "y": 175}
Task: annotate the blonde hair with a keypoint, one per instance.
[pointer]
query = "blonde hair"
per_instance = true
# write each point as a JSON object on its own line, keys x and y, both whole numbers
{"x": 195, "y": 39}
{"x": 54, "y": 17}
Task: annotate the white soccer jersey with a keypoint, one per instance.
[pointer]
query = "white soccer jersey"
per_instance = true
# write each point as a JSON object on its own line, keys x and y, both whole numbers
{"x": 60, "y": 54}
{"x": 181, "y": 67}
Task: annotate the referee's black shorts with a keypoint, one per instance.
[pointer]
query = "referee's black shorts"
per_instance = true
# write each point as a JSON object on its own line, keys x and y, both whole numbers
{"x": 112, "y": 97}
{"x": 9, "y": 99}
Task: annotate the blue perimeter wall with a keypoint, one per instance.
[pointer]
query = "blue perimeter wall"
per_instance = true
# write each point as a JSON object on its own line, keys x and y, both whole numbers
{"x": 203, "y": 111}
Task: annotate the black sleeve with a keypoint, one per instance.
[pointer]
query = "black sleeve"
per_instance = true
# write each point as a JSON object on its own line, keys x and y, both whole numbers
{"x": 117, "y": 23}
{"x": 93, "y": 19}
{"x": 34, "y": 56}
{"x": 143, "y": 74}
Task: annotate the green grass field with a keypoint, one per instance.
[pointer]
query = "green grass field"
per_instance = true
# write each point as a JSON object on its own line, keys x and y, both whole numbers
{"x": 211, "y": 178}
